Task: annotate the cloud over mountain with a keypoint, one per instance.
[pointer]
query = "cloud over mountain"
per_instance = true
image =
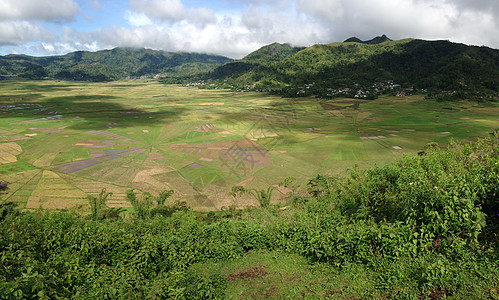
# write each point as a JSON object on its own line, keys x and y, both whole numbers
{"x": 235, "y": 28}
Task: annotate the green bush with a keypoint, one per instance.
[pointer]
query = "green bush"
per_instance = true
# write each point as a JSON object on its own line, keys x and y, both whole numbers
{"x": 426, "y": 224}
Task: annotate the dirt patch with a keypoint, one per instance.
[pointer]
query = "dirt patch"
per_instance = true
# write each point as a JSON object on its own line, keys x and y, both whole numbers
{"x": 439, "y": 293}
{"x": 87, "y": 143}
{"x": 255, "y": 272}
{"x": 245, "y": 182}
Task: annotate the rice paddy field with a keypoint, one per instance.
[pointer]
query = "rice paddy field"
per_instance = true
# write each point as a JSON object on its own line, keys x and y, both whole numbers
{"x": 60, "y": 141}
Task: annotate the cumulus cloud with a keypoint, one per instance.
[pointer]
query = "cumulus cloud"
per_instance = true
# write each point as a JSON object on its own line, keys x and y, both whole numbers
{"x": 245, "y": 25}
{"x": 201, "y": 17}
{"x": 430, "y": 19}
{"x": 18, "y": 32}
{"x": 169, "y": 11}
{"x": 164, "y": 10}
{"x": 50, "y": 11}
{"x": 272, "y": 25}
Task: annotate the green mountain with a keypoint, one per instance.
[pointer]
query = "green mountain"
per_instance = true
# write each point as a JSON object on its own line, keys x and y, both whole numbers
{"x": 374, "y": 41}
{"x": 262, "y": 58}
{"x": 431, "y": 65}
{"x": 104, "y": 65}
{"x": 271, "y": 53}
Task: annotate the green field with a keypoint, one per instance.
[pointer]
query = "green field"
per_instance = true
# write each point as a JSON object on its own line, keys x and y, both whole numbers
{"x": 60, "y": 141}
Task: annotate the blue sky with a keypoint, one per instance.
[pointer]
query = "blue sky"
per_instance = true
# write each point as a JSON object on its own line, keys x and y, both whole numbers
{"x": 235, "y": 28}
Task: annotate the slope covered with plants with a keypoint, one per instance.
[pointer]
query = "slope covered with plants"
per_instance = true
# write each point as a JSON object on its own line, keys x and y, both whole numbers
{"x": 425, "y": 226}
{"x": 259, "y": 60}
{"x": 114, "y": 64}
{"x": 435, "y": 66}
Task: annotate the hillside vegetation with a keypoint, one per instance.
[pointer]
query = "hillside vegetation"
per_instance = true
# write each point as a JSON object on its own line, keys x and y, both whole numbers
{"x": 423, "y": 227}
{"x": 435, "y": 66}
{"x": 443, "y": 69}
{"x": 105, "y": 65}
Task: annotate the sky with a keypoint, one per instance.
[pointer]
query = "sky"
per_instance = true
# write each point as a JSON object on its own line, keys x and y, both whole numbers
{"x": 235, "y": 28}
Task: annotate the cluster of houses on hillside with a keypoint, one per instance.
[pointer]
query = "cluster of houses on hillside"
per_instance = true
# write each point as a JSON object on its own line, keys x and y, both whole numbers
{"x": 312, "y": 89}
{"x": 378, "y": 88}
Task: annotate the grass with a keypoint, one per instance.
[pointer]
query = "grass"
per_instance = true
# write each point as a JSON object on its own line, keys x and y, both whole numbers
{"x": 272, "y": 275}
{"x": 302, "y": 137}
{"x": 15, "y": 167}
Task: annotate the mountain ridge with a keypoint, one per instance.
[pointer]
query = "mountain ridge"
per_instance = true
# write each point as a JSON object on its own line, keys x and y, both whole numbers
{"x": 373, "y": 41}
{"x": 435, "y": 66}
{"x": 412, "y": 63}
{"x": 104, "y": 65}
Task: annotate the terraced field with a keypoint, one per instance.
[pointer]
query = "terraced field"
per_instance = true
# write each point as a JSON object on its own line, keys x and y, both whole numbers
{"x": 60, "y": 141}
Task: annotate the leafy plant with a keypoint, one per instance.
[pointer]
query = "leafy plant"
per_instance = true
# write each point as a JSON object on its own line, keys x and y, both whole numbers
{"x": 98, "y": 204}
{"x": 262, "y": 195}
{"x": 142, "y": 207}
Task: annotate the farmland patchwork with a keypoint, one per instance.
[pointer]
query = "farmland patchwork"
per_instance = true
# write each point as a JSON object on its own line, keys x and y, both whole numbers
{"x": 62, "y": 141}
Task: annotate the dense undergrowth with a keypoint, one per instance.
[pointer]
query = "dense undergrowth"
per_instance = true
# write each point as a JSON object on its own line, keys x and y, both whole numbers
{"x": 426, "y": 226}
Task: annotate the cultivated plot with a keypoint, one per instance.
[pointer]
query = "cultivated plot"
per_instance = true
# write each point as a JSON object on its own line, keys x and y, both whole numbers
{"x": 60, "y": 141}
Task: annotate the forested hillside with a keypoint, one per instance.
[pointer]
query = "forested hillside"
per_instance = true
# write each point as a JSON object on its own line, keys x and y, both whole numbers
{"x": 114, "y": 64}
{"x": 435, "y": 66}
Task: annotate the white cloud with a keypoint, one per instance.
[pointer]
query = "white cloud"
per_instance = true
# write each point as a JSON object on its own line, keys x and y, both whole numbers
{"x": 50, "y": 11}
{"x": 169, "y": 11}
{"x": 246, "y": 25}
{"x": 201, "y": 17}
{"x": 139, "y": 37}
{"x": 435, "y": 19}
{"x": 163, "y": 10}
{"x": 137, "y": 19}
{"x": 18, "y": 32}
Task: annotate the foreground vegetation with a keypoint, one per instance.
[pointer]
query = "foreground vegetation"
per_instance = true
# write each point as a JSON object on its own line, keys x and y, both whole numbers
{"x": 425, "y": 226}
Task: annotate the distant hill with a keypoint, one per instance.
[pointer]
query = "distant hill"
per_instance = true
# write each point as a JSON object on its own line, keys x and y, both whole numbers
{"x": 432, "y": 65}
{"x": 456, "y": 69}
{"x": 105, "y": 65}
{"x": 374, "y": 41}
